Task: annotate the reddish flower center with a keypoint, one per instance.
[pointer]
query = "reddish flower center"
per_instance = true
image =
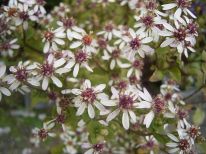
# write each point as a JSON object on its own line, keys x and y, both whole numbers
{"x": 88, "y": 95}
{"x": 115, "y": 53}
{"x": 60, "y": 118}
{"x": 43, "y": 133}
{"x": 109, "y": 27}
{"x": 192, "y": 28}
{"x": 183, "y": 3}
{"x": 21, "y": 74}
{"x": 135, "y": 43}
{"x": 150, "y": 144}
{"x": 64, "y": 103}
{"x": 151, "y": 5}
{"x": 102, "y": 43}
{"x": 148, "y": 21}
{"x": 184, "y": 144}
{"x": 52, "y": 96}
{"x": 48, "y": 36}
{"x": 87, "y": 40}
{"x": 80, "y": 56}
{"x": 40, "y": 2}
{"x": 126, "y": 102}
{"x": 160, "y": 26}
{"x": 168, "y": 96}
{"x": 138, "y": 64}
{"x": 193, "y": 132}
{"x": 98, "y": 147}
{"x": 12, "y": 12}
{"x": 68, "y": 22}
{"x": 181, "y": 114}
{"x": 122, "y": 85}
{"x": 5, "y": 46}
{"x": 180, "y": 34}
{"x": 23, "y": 15}
{"x": 158, "y": 105}
{"x": 47, "y": 69}
{"x": 133, "y": 80}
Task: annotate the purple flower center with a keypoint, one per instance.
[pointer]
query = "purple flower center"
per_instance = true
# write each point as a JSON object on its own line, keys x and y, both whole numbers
{"x": 80, "y": 56}
{"x": 133, "y": 80}
{"x": 158, "y": 105}
{"x": 138, "y": 64}
{"x": 98, "y": 147}
{"x": 64, "y": 103}
{"x": 181, "y": 114}
{"x": 193, "y": 132}
{"x": 60, "y": 118}
{"x": 43, "y": 133}
{"x": 160, "y": 26}
{"x": 183, "y": 3}
{"x": 135, "y": 43}
{"x": 102, "y": 43}
{"x": 184, "y": 144}
{"x": 21, "y": 74}
{"x": 148, "y": 21}
{"x": 88, "y": 95}
{"x": 168, "y": 96}
{"x": 122, "y": 85}
{"x": 23, "y": 15}
{"x": 109, "y": 27}
{"x": 40, "y": 2}
{"x": 115, "y": 53}
{"x": 47, "y": 69}
{"x": 5, "y": 46}
{"x": 126, "y": 102}
{"x": 151, "y": 5}
{"x": 192, "y": 28}
{"x": 180, "y": 34}
{"x": 150, "y": 144}
{"x": 68, "y": 22}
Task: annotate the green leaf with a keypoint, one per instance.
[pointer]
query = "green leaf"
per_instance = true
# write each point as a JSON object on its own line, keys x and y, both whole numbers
{"x": 198, "y": 116}
{"x": 175, "y": 73}
{"x": 156, "y": 76}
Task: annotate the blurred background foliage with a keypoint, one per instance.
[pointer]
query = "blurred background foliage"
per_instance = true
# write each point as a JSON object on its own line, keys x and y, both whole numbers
{"x": 21, "y": 113}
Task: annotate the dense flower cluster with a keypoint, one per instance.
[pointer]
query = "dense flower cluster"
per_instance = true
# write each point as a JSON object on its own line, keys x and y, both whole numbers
{"x": 71, "y": 53}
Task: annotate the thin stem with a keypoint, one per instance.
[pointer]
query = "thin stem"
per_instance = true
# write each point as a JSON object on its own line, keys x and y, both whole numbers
{"x": 194, "y": 93}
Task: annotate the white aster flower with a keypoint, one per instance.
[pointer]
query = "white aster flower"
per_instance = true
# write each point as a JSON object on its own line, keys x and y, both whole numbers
{"x": 136, "y": 45}
{"x": 3, "y": 90}
{"x": 68, "y": 24}
{"x": 52, "y": 38}
{"x": 136, "y": 68}
{"x": 85, "y": 40}
{"x": 181, "y": 145}
{"x": 21, "y": 75}
{"x": 180, "y": 39}
{"x": 39, "y": 6}
{"x": 78, "y": 59}
{"x": 93, "y": 149}
{"x": 156, "y": 106}
{"x": 7, "y": 47}
{"x": 114, "y": 55}
{"x": 109, "y": 31}
{"x": 50, "y": 69}
{"x": 24, "y": 15}
{"x": 182, "y": 7}
{"x": 88, "y": 97}
{"x": 152, "y": 26}
{"x": 124, "y": 102}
